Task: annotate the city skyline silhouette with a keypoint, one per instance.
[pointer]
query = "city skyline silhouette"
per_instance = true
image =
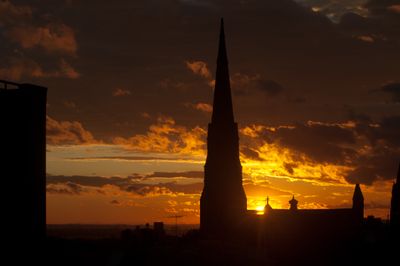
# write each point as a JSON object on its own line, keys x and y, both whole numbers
{"x": 312, "y": 122}
{"x": 128, "y": 138}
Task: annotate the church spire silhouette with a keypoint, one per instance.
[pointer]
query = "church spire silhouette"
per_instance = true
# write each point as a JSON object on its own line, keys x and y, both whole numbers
{"x": 222, "y": 107}
{"x": 222, "y": 54}
{"x": 223, "y": 201}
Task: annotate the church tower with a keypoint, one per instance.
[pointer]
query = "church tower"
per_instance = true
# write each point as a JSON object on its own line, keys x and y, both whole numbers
{"x": 223, "y": 202}
{"x": 395, "y": 204}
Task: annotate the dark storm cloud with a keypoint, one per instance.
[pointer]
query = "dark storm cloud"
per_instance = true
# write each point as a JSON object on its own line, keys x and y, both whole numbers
{"x": 143, "y": 43}
{"x": 386, "y": 132}
{"x": 335, "y": 9}
{"x": 250, "y": 85}
{"x": 250, "y": 153}
{"x": 383, "y": 7}
{"x": 380, "y": 165}
{"x": 35, "y": 46}
{"x": 271, "y": 87}
{"x": 140, "y": 45}
{"x": 322, "y": 143}
{"x": 380, "y": 162}
{"x": 382, "y": 23}
{"x": 289, "y": 167}
{"x": 393, "y": 89}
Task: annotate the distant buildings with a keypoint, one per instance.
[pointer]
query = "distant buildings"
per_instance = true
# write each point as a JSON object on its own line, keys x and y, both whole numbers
{"x": 395, "y": 204}
{"x": 23, "y": 159}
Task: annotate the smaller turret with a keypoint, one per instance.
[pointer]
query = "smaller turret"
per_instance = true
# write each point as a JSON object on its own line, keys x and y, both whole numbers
{"x": 358, "y": 202}
{"x": 293, "y": 204}
{"x": 267, "y": 208}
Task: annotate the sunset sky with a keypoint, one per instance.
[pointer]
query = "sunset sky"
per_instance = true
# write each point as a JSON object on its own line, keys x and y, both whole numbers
{"x": 316, "y": 94}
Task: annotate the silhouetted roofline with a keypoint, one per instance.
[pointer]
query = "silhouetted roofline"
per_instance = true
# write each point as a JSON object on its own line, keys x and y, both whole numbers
{"x": 6, "y": 82}
{"x": 313, "y": 211}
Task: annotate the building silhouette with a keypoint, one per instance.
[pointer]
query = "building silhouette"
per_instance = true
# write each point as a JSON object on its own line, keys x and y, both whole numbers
{"x": 282, "y": 226}
{"x": 23, "y": 160}
{"x": 395, "y": 203}
{"x": 223, "y": 201}
{"x": 223, "y": 208}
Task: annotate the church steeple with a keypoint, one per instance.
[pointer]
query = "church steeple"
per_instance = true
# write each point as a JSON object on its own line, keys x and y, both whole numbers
{"x": 222, "y": 107}
{"x": 223, "y": 202}
{"x": 267, "y": 208}
{"x": 222, "y": 54}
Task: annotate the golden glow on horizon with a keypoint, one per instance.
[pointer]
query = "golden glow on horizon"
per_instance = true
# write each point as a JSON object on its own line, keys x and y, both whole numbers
{"x": 260, "y": 210}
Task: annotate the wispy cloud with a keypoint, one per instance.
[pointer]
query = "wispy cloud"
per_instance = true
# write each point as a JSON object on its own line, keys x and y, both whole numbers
{"x": 67, "y": 133}
{"x": 119, "y": 92}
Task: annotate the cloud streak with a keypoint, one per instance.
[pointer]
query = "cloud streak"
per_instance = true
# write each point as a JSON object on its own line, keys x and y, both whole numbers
{"x": 67, "y": 133}
{"x": 53, "y": 38}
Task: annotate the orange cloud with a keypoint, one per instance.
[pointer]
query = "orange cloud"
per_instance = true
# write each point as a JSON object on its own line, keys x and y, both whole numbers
{"x": 54, "y": 38}
{"x": 167, "y": 137}
{"x": 67, "y": 188}
{"x": 118, "y": 92}
{"x": 10, "y": 13}
{"x": 66, "y": 70}
{"x": 366, "y": 38}
{"x": 394, "y": 8}
{"x": 204, "y": 107}
{"x": 23, "y": 67}
{"x": 69, "y": 105}
{"x": 199, "y": 68}
{"x": 67, "y": 133}
{"x": 270, "y": 158}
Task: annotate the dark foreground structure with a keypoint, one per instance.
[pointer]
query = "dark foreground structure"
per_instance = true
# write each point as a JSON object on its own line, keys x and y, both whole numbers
{"x": 395, "y": 203}
{"x": 223, "y": 204}
{"x": 23, "y": 161}
{"x": 229, "y": 233}
{"x": 223, "y": 200}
